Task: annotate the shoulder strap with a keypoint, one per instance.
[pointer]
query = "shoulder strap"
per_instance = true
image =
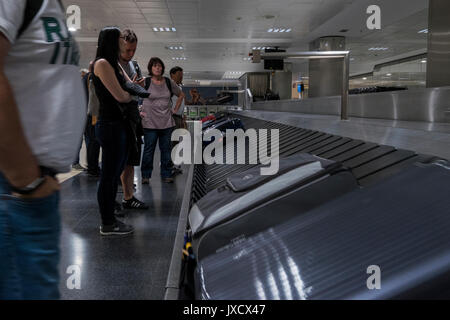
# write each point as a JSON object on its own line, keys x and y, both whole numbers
{"x": 169, "y": 86}
{"x": 31, "y": 9}
{"x": 148, "y": 81}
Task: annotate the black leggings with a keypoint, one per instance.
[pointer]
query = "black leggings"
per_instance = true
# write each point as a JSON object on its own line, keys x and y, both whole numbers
{"x": 112, "y": 137}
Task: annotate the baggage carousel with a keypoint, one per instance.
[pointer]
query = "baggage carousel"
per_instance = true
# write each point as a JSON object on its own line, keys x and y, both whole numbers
{"x": 380, "y": 207}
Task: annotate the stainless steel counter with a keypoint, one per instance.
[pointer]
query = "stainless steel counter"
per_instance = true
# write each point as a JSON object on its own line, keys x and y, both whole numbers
{"x": 428, "y": 105}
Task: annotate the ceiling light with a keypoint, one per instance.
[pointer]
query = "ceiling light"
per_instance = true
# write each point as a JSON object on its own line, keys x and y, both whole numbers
{"x": 289, "y": 30}
{"x": 162, "y": 29}
{"x": 424, "y": 61}
{"x": 423, "y": 31}
{"x": 389, "y": 74}
{"x": 282, "y": 30}
{"x": 181, "y": 48}
{"x": 364, "y": 78}
{"x": 270, "y": 30}
{"x": 276, "y": 30}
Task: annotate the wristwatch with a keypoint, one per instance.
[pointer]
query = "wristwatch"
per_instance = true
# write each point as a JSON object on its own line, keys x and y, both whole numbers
{"x": 30, "y": 188}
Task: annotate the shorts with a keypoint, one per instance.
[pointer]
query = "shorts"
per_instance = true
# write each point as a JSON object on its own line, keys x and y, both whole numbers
{"x": 134, "y": 156}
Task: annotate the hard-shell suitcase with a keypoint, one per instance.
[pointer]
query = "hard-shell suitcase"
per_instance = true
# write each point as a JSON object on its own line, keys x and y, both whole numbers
{"x": 387, "y": 241}
{"x": 232, "y": 210}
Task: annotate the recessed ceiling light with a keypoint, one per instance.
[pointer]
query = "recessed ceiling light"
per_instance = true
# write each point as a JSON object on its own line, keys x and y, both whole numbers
{"x": 289, "y": 30}
{"x": 276, "y": 30}
{"x": 270, "y": 30}
{"x": 282, "y": 30}
{"x": 424, "y": 61}
{"x": 161, "y": 29}
{"x": 155, "y": 29}
{"x": 364, "y": 78}
{"x": 389, "y": 74}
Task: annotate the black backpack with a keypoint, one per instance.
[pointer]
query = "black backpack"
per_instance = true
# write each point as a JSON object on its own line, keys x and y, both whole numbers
{"x": 168, "y": 84}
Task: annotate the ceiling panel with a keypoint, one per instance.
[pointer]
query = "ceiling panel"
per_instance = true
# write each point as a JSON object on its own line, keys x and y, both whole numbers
{"x": 218, "y": 34}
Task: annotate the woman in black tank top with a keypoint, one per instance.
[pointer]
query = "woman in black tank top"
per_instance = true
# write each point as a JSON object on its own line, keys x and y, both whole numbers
{"x": 110, "y": 129}
{"x": 109, "y": 110}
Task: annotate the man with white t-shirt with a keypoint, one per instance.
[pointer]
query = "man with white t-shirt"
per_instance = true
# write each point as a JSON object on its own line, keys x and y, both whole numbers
{"x": 41, "y": 123}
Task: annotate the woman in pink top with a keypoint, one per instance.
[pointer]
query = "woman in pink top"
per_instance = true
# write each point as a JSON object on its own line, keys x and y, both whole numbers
{"x": 157, "y": 120}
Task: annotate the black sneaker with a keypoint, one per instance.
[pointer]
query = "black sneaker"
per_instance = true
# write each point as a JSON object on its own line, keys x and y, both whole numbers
{"x": 117, "y": 229}
{"x": 176, "y": 170}
{"x": 167, "y": 180}
{"x": 93, "y": 174}
{"x": 78, "y": 167}
{"x": 134, "y": 203}
{"x": 118, "y": 210}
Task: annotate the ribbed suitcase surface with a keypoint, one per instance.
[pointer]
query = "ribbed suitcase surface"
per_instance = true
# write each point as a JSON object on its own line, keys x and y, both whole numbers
{"x": 401, "y": 225}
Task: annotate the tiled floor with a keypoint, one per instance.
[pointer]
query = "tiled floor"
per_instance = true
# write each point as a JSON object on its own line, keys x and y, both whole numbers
{"x": 133, "y": 267}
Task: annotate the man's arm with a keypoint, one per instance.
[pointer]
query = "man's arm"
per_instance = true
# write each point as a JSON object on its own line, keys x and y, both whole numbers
{"x": 17, "y": 162}
{"x": 181, "y": 96}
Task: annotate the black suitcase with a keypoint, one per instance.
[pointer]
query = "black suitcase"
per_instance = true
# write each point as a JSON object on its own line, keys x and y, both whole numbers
{"x": 233, "y": 210}
{"x": 222, "y": 125}
{"x": 400, "y": 225}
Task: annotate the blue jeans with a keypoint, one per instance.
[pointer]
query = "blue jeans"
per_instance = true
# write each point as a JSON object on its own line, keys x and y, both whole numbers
{"x": 112, "y": 136}
{"x": 29, "y": 246}
{"x": 151, "y": 137}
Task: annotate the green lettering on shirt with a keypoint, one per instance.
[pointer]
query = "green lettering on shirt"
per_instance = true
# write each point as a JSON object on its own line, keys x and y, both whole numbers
{"x": 52, "y": 27}
{"x": 53, "y": 30}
